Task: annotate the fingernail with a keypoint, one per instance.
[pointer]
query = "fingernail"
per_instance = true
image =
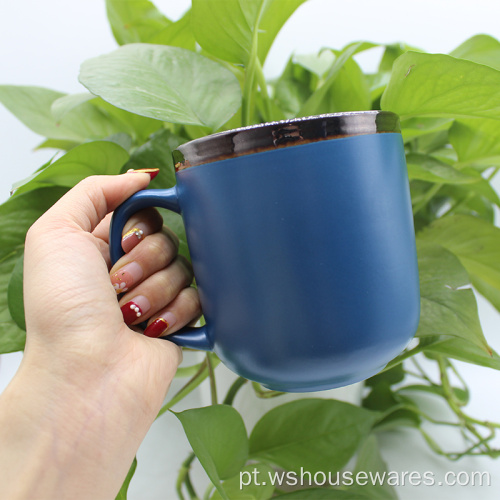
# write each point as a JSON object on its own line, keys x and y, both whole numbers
{"x": 132, "y": 237}
{"x": 161, "y": 325}
{"x": 153, "y": 172}
{"x": 127, "y": 276}
{"x": 134, "y": 309}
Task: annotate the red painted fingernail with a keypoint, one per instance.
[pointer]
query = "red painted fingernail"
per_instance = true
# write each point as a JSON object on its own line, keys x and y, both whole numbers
{"x": 134, "y": 309}
{"x": 153, "y": 172}
{"x": 161, "y": 325}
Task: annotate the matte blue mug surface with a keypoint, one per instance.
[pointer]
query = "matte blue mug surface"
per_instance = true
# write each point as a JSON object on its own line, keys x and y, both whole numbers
{"x": 302, "y": 244}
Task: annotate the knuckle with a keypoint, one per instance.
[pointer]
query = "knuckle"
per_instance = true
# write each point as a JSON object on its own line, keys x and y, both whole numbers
{"x": 192, "y": 299}
{"x": 170, "y": 234}
{"x": 159, "y": 248}
{"x": 90, "y": 182}
{"x": 187, "y": 266}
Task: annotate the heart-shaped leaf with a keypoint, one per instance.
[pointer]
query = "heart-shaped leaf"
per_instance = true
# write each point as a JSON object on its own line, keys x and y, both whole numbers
{"x": 166, "y": 83}
{"x": 315, "y": 434}
{"x": 228, "y": 29}
{"x": 443, "y": 86}
{"x": 448, "y": 305}
{"x": 218, "y": 437}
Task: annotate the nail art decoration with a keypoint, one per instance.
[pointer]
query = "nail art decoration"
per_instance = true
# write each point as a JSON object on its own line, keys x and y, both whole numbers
{"x": 131, "y": 238}
{"x": 138, "y": 233}
{"x": 120, "y": 283}
{"x": 127, "y": 276}
{"x": 131, "y": 312}
{"x": 135, "y": 309}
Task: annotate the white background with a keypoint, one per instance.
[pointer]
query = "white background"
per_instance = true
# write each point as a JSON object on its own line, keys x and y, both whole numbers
{"x": 43, "y": 44}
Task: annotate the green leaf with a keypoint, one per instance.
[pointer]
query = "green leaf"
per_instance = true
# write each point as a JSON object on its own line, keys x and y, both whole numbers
{"x": 448, "y": 305}
{"x": 463, "y": 351}
{"x": 474, "y": 241}
{"x": 391, "y": 53}
{"x": 226, "y": 28}
{"x": 380, "y": 398}
{"x": 138, "y": 127}
{"x": 460, "y": 394}
{"x": 17, "y": 214}
{"x": 255, "y": 481}
{"x": 489, "y": 292}
{"x": 397, "y": 411}
{"x": 62, "y": 144}
{"x": 442, "y": 86}
{"x": 293, "y": 87}
{"x": 349, "y": 91}
{"x": 273, "y": 19}
{"x": 15, "y": 298}
{"x": 65, "y": 104}
{"x": 316, "y": 434}
{"x": 122, "y": 494}
{"x": 476, "y": 141}
{"x": 92, "y": 158}
{"x": 371, "y": 463}
{"x": 470, "y": 199}
{"x": 427, "y": 168}
{"x": 164, "y": 83}
{"x": 12, "y": 338}
{"x": 418, "y": 126}
{"x": 318, "y": 63}
{"x": 33, "y": 107}
{"x": 218, "y": 437}
{"x": 156, "y": 153}
{"x": 391, "y": 377}
{"x": 178, "y": 34}
{"x": 482, "y": 49}
{"x": 134, "y": 20}
{"x": 314, "y": 103}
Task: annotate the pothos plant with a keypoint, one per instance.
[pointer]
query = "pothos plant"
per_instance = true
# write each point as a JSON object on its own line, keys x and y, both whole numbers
{"x": 170, "y": 82}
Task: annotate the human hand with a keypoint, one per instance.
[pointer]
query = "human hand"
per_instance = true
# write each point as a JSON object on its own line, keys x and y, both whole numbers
{"x": 88, "y": 383}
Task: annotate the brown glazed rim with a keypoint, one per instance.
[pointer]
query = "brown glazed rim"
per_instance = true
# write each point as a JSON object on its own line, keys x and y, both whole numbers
{"x": 274, "y": 135}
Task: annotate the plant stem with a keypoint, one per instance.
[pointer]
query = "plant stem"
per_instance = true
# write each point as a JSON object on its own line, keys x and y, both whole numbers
{"x": 208, "y": 491}
{"x": 213, "y": 384}
{"x": 264, "y": 393}
{"x": 469, "y": 195}
{"x": 427, "y": 197}
{"x": 405, "y": 355}
{"x": 250, "y": 71}
{"x": 187, "y": 371}
{"x": 191, "y": 385}
{"x": 422, "y": 372}
{"x": 233, "y": 390}
{"x": 184, "y": 478}
{"x": 263, "y": 88}
{"x": 247, "y": 100}
{"x": 454, "y": 404}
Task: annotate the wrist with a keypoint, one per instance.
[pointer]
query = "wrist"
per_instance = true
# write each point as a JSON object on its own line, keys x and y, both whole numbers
{"x": 62, "y": 444}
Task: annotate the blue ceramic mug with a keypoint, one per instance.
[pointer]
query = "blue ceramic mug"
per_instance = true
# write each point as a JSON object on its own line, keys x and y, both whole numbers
{"x": 303, "y": 248}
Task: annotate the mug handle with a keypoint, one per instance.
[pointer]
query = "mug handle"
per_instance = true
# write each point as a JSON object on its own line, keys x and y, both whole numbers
{"x": 194, "y": 338}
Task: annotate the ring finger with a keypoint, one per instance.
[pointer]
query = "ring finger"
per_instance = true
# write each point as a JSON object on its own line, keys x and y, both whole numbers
{"x": 156, "y": 292}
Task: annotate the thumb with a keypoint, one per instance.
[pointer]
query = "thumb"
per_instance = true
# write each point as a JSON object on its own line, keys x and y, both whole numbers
{"x": 92, "y": 199}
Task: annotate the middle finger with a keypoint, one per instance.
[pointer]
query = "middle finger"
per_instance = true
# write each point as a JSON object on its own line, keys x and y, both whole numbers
{"x": 156, "y": 292}
{"x": 154, "y": 253}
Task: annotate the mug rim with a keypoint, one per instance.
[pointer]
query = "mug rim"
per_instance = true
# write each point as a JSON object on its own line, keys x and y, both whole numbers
{"x": 278, "y": 134}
